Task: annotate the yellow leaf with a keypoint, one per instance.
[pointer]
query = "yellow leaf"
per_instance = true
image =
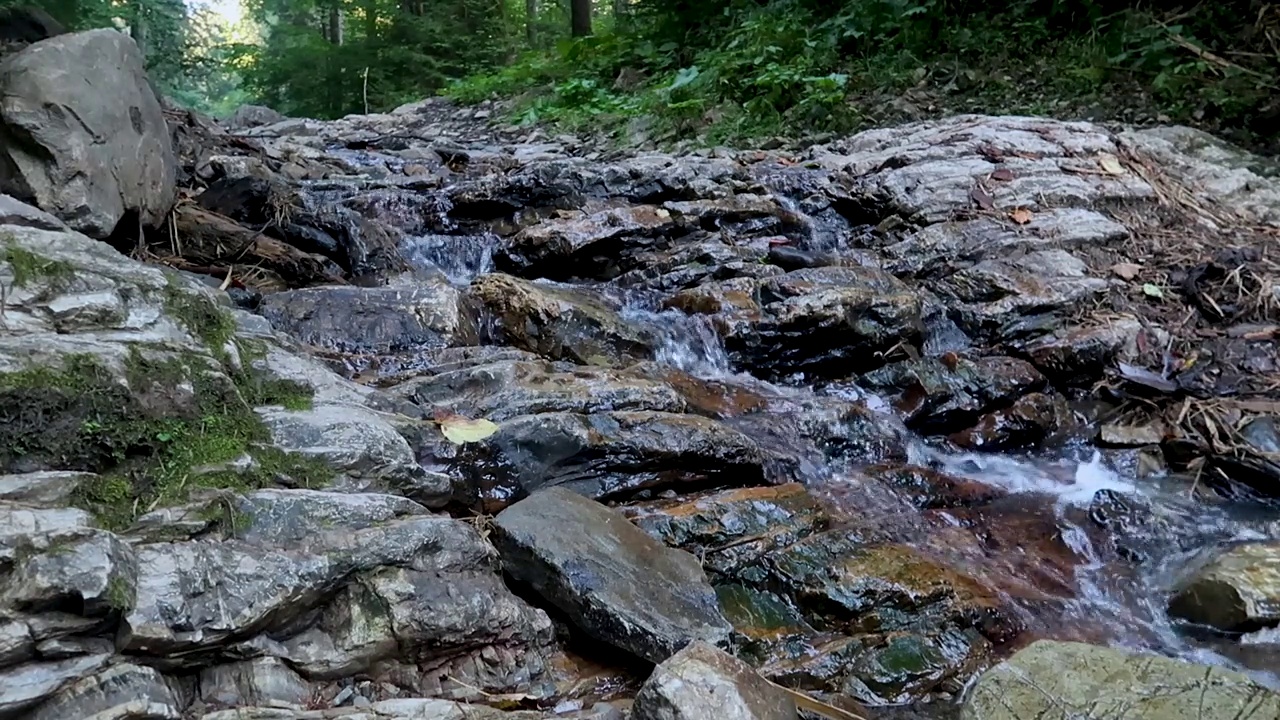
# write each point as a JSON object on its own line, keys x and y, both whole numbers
{"x": 458, "y": 429}
{"x": 1110, "y": 164}
{"x": 1022, "y": 216}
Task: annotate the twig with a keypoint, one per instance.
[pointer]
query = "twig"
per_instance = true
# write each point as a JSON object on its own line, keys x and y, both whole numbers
{"x": 366, "y": 91}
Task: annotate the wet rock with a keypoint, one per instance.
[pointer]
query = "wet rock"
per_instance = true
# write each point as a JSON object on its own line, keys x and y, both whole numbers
{"x": 702, "y": 682}
{"x": 1078, "y": 354}
{"x": 1236, "y": 589}
{"x": 338, "y": 584}
{"x": 359, "y": 443}
{"x": 584, "y": 246}
{"x": 694, "y": 261}
{"x": 361, "y": 246}
{"x": 612, "y": 580}
{"x": 1060, "y": 681}
{"x": 117, "y": 157}
{"x": 426, "y": 314}
{"x": 263, "y": 681}
{"x": 833, "y": 320}
{"x": 45, "y": 489}
{"x": 557, "y": 323}
{"x": 26, "y": 686}
{"x": 120, "y": 692}
{"x": 608, "y": 455}
{"x": 941, "y": 247}
{"x": 950, "y": 393}
{"x": 402, "y": 709}
{"x": 504, "y": 390}
{"x": 1017, "y": 298}
{"x": 909, "y": 624}
{"x": 90, "y": 573}
{"x": 1027, "y": 422}
{"x": 930, "y": 489}
{"x": 927, "y": 170}
{"x": 732, "y": 530}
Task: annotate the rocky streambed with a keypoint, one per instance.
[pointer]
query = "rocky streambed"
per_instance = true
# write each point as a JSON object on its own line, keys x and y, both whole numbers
{"x": 418, "y": 416}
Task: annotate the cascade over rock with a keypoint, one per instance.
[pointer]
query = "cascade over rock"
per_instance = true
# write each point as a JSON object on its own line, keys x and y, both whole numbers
{"x": 434, "y": 417}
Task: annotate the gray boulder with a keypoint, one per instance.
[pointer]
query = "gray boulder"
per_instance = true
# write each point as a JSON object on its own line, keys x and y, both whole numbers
{"x": 247, "y": 116}
{"x": 610, "y": 578}
{"x": 1050, "y": 680}
{"x": 119, "y": 692}
{"x": 704, "y": 683}
{"x": 1235, "y": 589}
{"x": 82, "y": 134}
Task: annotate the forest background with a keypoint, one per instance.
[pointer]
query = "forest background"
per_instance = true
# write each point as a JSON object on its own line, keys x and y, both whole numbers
{"x": 718, "y": 71}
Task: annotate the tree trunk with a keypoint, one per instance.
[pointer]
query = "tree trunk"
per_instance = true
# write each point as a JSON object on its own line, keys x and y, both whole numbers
{"x": 531, "y": 21}
{"x": 335, "y": 24}
{"x": 621, "y": 14}
{"x": 370, "y": 20}
{"x": 138, "y": 28}
{"x": 580, "y": 17}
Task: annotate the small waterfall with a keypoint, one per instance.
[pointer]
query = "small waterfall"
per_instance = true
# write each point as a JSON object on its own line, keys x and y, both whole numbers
{"x": 685, "y": 342}
{"x": 460, "y": 257}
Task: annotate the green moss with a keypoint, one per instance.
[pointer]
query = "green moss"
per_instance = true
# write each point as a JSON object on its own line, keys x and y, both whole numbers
{"x": 121, "y": 594}
{"x": 214, "y": 325}
{"x": 259, "y": 388}
{"x": 28, "y": 267}
{"x": 173, "y": 427}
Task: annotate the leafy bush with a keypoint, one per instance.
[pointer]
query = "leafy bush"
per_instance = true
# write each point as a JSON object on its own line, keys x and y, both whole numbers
{"x": 752, "y": 68}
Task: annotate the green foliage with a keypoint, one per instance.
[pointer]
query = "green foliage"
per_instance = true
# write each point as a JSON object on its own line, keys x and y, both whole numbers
{"x": 749, "y": 68}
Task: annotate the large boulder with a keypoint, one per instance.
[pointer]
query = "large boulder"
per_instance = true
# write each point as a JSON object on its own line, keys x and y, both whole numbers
{"x": 1051, "y": 680}
{"x": 82, "y": 134}
{"x": 616, "y": 583}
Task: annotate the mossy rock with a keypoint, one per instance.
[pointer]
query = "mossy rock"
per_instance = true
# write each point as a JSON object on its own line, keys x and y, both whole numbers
{"x": 167, "y": 422}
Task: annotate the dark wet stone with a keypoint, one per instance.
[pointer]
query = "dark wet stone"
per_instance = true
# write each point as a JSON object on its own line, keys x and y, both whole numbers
{"x": 608, "y": 455}
{"x": 613, "y": 581}
{"x": 929, "y": 489}
{"x": 1027, "y": 422}
{"x": 584, "y": 245}
{"x": 950, "y": 393}
{"x": 732, "y": 530}
{"x": 558, "y": 323}
{"x": 832, "y": 321}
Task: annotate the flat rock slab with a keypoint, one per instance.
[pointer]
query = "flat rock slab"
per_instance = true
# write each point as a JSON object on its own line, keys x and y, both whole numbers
{"x": 612, "y": 580}
{"x": 1051, "y": 680}
{"x": 702, "y": 682}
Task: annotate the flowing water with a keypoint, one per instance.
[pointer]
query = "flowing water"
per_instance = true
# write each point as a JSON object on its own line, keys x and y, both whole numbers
{"x": 1104, "y": 598}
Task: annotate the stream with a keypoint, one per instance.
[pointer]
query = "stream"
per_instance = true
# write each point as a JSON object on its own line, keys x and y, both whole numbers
{"x": 1084, "y": 542}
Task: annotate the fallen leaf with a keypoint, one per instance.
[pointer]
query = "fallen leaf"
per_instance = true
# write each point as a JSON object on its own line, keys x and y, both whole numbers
{"x": 459, "y": 430}
{"x": 1022, "y": 216}
{"x": 1152, "y": 290}
{"x": 1002, "y": 174}
{"x": 1110, "y": 164}
{"x": 980, "y": 195}
{"x": 1147, "y": 378}
{"x": 1126, "y": 271}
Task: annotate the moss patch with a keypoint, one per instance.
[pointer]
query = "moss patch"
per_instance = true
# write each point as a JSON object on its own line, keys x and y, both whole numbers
{"x": 175, "y": 424}
{"x": 28, "y": 267}
{"x": 260, "y": 388}
{"x": 214, "y": 325}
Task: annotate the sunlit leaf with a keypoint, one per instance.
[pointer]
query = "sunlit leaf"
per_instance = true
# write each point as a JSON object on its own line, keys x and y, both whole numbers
{"x": 460, "y": 430}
